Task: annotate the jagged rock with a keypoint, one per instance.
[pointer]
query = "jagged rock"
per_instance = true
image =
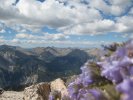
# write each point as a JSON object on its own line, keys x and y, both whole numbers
{"x": 58, "y": 86}
{"x": 40, "y": 91}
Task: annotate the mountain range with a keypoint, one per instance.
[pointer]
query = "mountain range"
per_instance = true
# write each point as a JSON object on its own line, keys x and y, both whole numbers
{"x": 21, "y": 66}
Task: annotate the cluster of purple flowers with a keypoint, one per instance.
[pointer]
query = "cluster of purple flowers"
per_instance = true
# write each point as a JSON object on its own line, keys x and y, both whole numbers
{"x": 119, "y": 69}
{"x": 78, "y": 90}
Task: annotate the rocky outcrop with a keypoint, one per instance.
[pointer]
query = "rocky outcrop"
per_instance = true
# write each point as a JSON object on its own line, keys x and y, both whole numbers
{"x": 59, "y": 87}
{"x": 37, "y": 92}
{"x": 42, "y": 91}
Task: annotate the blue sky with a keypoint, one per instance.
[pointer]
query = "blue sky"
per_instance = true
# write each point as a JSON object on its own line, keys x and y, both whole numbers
{"x": 65, "y": 23}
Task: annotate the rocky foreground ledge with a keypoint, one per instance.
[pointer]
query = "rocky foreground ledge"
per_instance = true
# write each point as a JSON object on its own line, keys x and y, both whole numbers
{"x": 39, "y": 91}
{"x": 12, "y": 95}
